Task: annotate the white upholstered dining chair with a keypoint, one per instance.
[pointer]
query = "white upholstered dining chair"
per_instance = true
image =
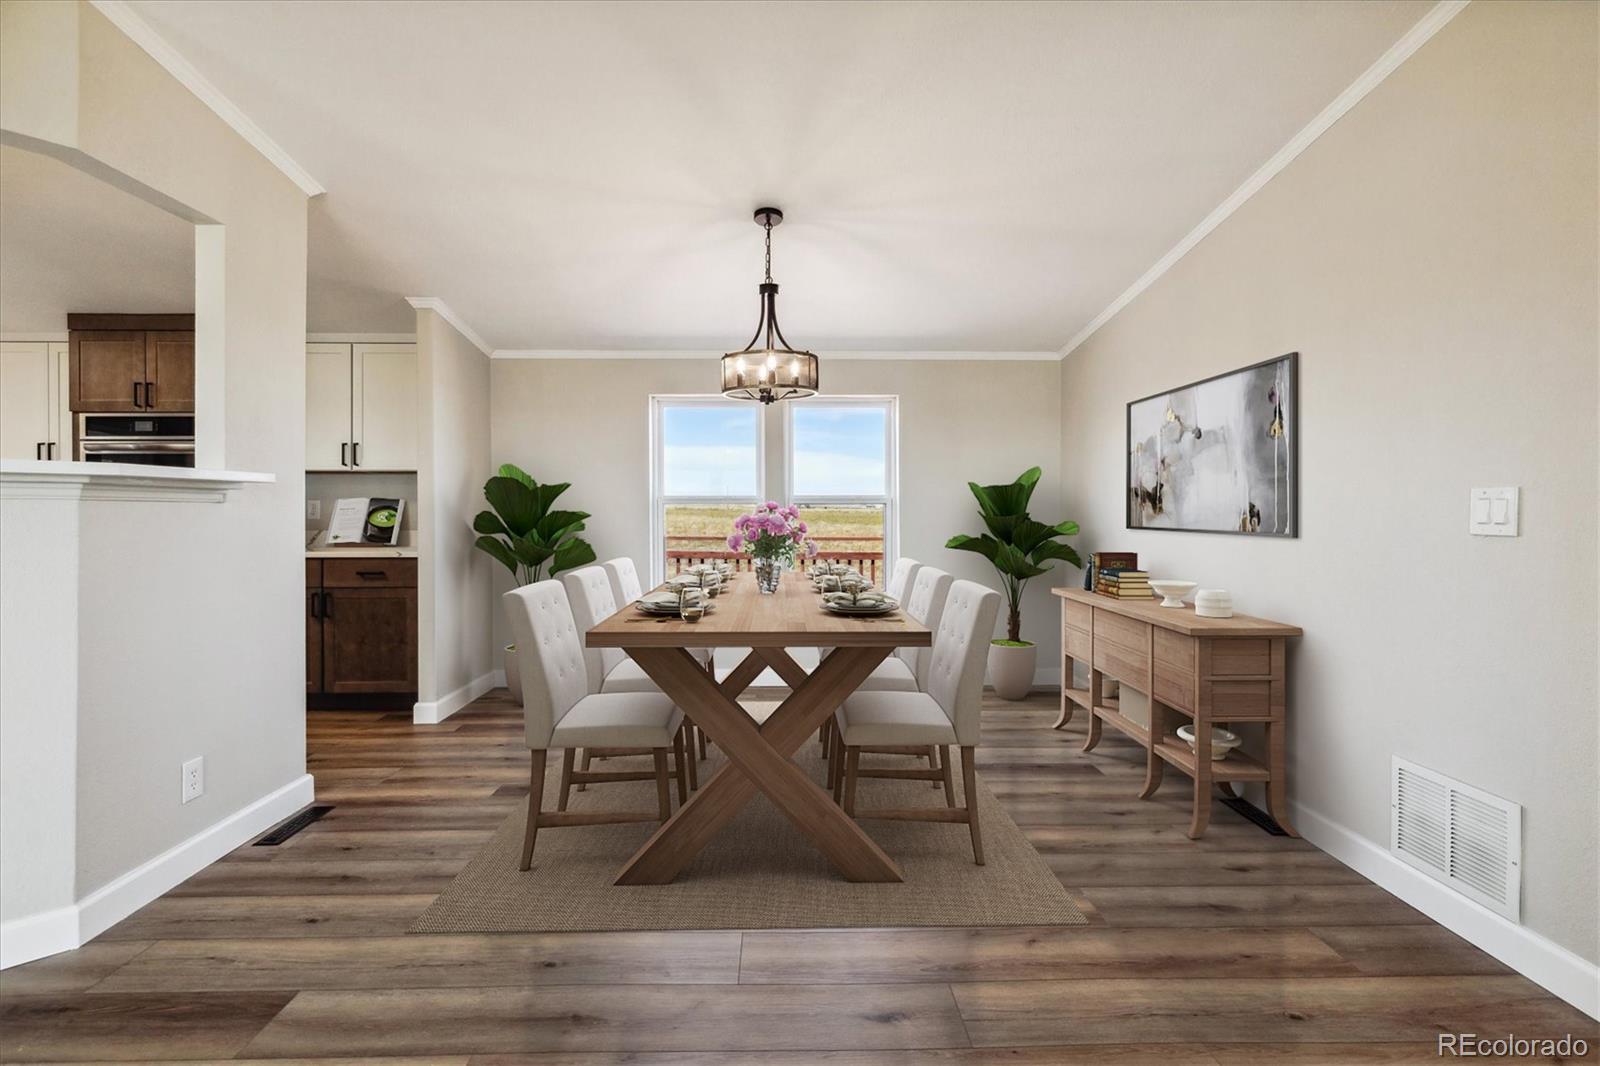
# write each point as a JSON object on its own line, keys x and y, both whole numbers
{"x": 589, "y": 590}
{"x": 947, "y": 712}
{"x": 560, "y": 711}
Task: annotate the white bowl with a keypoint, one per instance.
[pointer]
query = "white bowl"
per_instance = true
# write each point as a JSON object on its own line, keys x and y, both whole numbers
{"x": 1213, "y": 603}
{"x": 1222, "y": 741}
{"x": 1172, "y": 591}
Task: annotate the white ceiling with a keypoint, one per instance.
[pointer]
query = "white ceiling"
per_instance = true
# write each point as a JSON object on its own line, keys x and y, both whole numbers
{"x": 957, "y": 176}
{"x": 70, "y": 242}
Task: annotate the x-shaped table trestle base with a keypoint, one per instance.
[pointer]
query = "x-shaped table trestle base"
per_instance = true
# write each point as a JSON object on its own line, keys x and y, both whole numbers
{"x": 759, "y": 758}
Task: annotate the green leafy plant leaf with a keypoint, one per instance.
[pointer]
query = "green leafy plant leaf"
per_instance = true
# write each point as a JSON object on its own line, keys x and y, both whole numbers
{"x": 523, "y": 533}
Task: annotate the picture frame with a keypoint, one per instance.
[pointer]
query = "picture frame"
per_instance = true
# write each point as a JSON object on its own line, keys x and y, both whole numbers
{"x": 1217, "y": 455}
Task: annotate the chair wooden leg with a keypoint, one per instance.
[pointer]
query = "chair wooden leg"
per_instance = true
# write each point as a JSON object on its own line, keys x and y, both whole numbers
{"x": 948, "y": 766}
{"x": 836, "y": 773}
{"x": 969, "y": 789}
{"x": 852, "y": 765}
{"x": 567, "y": 757}
{"x": 585, "y": 767}
{"x": 535, "y": 808}
{"x": 689, "y": 731}
{"x": 933, "y": 760}
{"x": 683, "y": 770}
{"x": 663, "y": 791}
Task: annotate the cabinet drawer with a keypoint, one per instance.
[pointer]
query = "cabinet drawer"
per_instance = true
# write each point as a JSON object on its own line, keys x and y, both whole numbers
{"x": 1076, "y": 615}
{"x": 1135, "y": 636}
{"x": 313, "y": 573}
{"x": 1174, "y": 688}
{"x": 368, "y": 573}
{"x": 1122, "y": 663}
{"x": 1241, "y": 657}
{"x": 1075, "y": 642}
{"x": 1241, "y": 701}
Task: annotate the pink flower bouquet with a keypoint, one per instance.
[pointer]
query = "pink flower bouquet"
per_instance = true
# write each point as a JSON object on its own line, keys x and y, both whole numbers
{"x": 771, "y": 532}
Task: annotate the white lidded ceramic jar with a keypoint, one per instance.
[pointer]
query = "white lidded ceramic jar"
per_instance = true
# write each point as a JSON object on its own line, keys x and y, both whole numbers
{"x": 1213, "y": 603}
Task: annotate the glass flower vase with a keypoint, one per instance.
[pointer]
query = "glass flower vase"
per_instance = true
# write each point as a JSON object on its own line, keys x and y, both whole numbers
{"x": 768, "y": 573}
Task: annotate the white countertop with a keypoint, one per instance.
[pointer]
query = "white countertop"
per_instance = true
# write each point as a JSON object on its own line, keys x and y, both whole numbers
{"x": 317, "y": 548}
{"x": 134, "y": 481}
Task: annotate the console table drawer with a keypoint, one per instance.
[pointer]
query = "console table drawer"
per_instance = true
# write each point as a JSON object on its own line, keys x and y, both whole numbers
{"x": 1130, "y": 634}
{"x": 1241, "y": 701}
{"x": 1124, "y": 664}
{"x": 1247, "y": 657}
{"x": 1075, "y": 642}
{"x": 1174, "y": 688}
{"x": 1076, "y": 615}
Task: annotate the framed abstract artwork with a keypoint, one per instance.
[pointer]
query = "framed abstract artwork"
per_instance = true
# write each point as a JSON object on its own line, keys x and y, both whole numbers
{"x": 1219, "y": 455}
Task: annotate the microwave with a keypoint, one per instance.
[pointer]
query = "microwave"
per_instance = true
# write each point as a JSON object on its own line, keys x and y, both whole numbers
{"x": 149, "y": 440}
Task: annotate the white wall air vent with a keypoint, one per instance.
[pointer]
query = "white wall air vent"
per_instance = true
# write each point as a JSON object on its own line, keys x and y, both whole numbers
{"x": 1457, "y": 834}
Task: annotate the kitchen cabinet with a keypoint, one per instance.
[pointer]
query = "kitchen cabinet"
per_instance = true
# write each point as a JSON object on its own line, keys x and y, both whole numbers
{"x": 128, "y": 363}
{"x": 361, "y": 407}
{"x": 361, "y": 626}
{"x": 34, "y": 420}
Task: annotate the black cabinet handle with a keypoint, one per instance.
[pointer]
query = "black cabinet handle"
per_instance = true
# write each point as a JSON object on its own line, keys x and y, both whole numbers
{"x": 355, "y": 454}
{"x": 315, "y": 596}
{"x": 149, "y": 394}
{"x": 50, "y": 450}
{"x": 38, "y": 450}
{"x": 327, "y": 605}
{"x": 371, "y": 574}
{"x": 344, "y": 453}
{"x": 136, "y": 402}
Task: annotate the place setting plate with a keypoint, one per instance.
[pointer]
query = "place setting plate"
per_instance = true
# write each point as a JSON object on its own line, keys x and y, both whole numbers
{"x": 864, "y": 607}
{"x": 663, "y": 605}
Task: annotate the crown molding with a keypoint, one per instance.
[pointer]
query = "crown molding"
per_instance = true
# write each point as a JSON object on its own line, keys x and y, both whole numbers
{"x": 125, "y": 19}
{"x": 442, "y": 309}
{"x": 1403, "y": 49}
{"x": 686, "y": 353}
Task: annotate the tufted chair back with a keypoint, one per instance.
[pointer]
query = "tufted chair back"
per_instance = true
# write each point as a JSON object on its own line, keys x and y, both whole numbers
{"x": 925, "y": 604}
{"x": 960, "y": 653}
{"x": 625, "y": 587}
{"x": 549, "y": 655}
{"x": 900, "y": 577}
{"x": 589, "y": 590}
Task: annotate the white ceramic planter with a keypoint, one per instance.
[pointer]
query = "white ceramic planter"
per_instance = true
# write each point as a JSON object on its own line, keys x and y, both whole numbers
{"x": 513, "y": 675}
{"x": 1011, "y": 670}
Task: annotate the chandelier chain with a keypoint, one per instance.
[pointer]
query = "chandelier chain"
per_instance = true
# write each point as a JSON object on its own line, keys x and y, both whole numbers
{"x": 768, "y": 227}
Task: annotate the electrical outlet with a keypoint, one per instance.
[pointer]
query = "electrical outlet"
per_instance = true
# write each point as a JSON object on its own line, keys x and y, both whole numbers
{"x": 194, "y": 778}
{"x": 313, "y": 508}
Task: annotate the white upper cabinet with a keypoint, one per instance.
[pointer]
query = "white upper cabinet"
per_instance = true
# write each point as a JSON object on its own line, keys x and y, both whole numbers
{"x": 385, "y": 406}
{"x": 361, "y": 407}
{"x": 34, "y": 420}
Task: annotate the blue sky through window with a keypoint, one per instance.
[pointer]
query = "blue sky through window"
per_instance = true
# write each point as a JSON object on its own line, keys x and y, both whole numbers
{"x": 709, "y": 451}
{"x": 839, "y": 451}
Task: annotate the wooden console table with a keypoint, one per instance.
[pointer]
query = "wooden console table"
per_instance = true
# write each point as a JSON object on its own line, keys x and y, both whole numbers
{"x": 1213, "y": 670}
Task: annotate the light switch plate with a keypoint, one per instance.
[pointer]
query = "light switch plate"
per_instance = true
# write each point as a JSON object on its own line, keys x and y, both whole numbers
{"x": 1493, "y": 512}
{"x": 313, "y": 509}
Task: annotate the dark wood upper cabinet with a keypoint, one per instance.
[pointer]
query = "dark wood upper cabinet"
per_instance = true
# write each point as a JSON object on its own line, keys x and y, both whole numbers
{"x": 128, "y": 363}
{"x": 169, "y": 371}
{"x": 107, "y": 371}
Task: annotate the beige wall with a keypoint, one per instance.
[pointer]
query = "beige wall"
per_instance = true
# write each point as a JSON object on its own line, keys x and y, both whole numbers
{"x": 191, "y": 631}
{"x": 1433, "y": 259}
{"x": 587, "y": 422}
{"x": 455, "y": 642}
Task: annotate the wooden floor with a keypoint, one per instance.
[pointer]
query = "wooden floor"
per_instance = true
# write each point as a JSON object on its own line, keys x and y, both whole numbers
{"x": 1239, "y": 948}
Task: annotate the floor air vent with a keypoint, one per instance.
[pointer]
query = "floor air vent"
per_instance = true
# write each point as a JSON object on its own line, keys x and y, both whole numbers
{"x": 291, "y": 825}
{"x": 1459, "y": 835}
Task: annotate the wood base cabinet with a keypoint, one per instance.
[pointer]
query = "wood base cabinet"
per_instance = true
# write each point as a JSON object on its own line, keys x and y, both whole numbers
{"x": 361, "y": 626}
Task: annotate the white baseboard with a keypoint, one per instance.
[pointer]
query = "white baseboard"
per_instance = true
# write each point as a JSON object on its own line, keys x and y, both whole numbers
{"x": 1540, "y": 960}
{"x": 433, "y": 712}
{"x": 33, "y": 937}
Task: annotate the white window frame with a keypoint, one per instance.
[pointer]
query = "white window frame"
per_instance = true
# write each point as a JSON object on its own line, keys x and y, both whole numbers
{"x": 659, "y": 500}
{"x": 890, "y": 501}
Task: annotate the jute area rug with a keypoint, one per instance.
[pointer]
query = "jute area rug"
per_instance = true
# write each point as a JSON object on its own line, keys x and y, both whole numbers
{"x": 759, "y": 873}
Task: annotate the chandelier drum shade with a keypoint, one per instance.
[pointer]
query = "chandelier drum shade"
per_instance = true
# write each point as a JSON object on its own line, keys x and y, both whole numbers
{"x": 768, "y": 369}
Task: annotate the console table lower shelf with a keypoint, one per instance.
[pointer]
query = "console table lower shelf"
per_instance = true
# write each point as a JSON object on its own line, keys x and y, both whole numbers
{"x": 1210, "y": 670}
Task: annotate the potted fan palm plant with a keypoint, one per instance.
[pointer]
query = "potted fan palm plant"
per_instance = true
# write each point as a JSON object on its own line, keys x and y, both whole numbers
{"x": 1020, "y": 549}
{"x": 527, "y": 536}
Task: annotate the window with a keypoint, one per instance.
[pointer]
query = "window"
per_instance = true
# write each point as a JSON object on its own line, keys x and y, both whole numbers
{"x": 706, "y": 456}
{"x": 842, "y": 475}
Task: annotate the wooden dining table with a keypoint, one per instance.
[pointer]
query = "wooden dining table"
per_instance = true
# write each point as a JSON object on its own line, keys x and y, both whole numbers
{"x": 759, "y": 755}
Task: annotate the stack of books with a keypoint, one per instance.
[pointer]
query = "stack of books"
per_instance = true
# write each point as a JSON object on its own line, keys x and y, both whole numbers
{"x": 1124, "y": 584}
{"x": 1107, "y": 561}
